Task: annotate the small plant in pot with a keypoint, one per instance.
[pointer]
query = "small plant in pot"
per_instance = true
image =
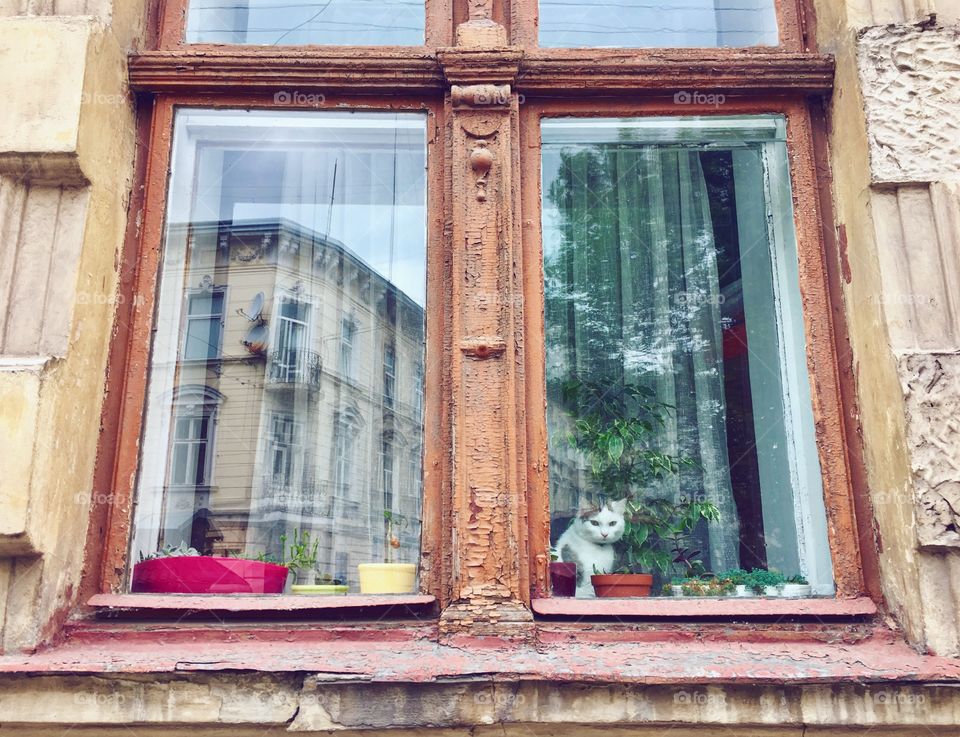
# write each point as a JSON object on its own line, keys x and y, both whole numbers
{"x": 184, "y": 570}
{"x": 615, "y": 425}
{"x": 796, "y": 587}
{"x": 658, "y": 536}
{"x": 563, "y": 576}
{"x": 704, "y": 585}
{"x": 388, "y": 577}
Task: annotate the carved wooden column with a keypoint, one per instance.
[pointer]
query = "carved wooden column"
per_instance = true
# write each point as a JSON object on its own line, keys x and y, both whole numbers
{"x": 490, "y": 577}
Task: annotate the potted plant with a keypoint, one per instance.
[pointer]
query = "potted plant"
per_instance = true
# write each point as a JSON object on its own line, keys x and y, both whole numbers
{"x": 739, "y": 578}
{"x": 762, "y": 582}
{"x": 300, "y": 559}
{"x": 183, "y": 570}
{"x": 388, "y": 577}
{"x": 324, "y": 585}
{"x": 658, "y": 536}
{"x": 563, "y": 576}
{"x": 614, "y": 426}
{"x": 796, "y": 587}
{"x": 705, "y": 585}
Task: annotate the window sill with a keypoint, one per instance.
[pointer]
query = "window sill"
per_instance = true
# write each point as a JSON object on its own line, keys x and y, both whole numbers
{"x": 154, "y": 604}
{"x": 703, "y": 607}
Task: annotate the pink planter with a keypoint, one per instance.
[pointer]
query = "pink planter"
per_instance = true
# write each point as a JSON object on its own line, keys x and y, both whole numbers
{"x": 200, "y": 574}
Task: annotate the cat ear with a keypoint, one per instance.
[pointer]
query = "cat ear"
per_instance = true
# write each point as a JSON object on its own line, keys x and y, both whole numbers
{"x": 619, "y": 506}
{"x": 586, "y": 508}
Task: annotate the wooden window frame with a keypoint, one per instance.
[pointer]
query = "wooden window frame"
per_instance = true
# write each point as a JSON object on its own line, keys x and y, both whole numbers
{"x": 790, "y": 79}
{"x": 822, "y": 344}
{"x": 130, "y": 362}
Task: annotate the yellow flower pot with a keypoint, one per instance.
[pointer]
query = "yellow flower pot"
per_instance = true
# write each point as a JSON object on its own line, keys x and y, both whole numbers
{"x": 387, "y": 578}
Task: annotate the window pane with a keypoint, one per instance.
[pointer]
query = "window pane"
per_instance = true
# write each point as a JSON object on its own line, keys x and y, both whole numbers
{"x": 312, "y": 226}
{"x": 676, "y": 369}
{"x": 657, "y": 23}
{"x": 300, "y": 22}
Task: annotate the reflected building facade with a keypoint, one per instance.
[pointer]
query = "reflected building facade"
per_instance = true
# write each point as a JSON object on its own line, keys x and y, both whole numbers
{"x": 294, "y": 404}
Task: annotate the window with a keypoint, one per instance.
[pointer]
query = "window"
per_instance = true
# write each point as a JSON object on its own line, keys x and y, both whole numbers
{"x": 343, "y": 460}
{"x": 348, "y": 331}
{"x": 386, "y": 471}
{"x": 203, "y": 332}
{"x": 276, "y": 22}
{"x": 293, "y": 362}
{"x": 645, "y": 224}
{"x": 389, "y": 374}
{"x": 676, "y": 358}
{"x": 417, "y": 390}
{"x": 284, "y": 435}
{"x": 290, "y": 212}
{"x": 190, "y": 453}
{"x": 658, "y": 23}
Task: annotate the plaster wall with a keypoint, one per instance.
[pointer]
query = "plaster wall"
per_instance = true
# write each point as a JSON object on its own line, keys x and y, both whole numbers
{"x": 66, "y": 159}
{"x": 895, "y": 164}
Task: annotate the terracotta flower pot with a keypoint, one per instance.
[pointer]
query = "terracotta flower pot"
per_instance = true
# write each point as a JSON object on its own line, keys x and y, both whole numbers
{"x": 622, "y": 584}
{"x": 563, "y": 579}
{"x": 204, "y": 574}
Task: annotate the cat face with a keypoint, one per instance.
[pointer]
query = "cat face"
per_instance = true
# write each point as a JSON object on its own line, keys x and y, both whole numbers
{"x": 603, "y": 526}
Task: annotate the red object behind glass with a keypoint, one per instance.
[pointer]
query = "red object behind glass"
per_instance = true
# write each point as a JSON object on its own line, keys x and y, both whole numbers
{"x": 196, "y": 574}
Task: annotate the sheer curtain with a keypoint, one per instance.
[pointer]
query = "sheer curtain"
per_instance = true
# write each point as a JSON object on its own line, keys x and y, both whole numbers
{"x": 632, "y": 294}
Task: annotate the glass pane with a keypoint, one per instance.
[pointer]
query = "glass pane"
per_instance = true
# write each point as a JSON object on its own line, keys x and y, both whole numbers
{"x": 658, "y": 24}
{"x": 291, "y": 238}
{"x": 289, "y": 23}
{"x": 680, "y": 427}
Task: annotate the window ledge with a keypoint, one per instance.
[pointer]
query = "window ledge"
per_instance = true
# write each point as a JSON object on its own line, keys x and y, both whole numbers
{"x": 699, "y": 607}
{"x": 252, "y": 604}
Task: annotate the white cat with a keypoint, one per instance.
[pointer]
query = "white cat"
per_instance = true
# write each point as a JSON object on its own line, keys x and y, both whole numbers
{"x": 589, "y": 539}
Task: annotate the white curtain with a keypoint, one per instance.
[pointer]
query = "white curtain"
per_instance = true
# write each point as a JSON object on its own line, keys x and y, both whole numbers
{"x": 633, "y": 295}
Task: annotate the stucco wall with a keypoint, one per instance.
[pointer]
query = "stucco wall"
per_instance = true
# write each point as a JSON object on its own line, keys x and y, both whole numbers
{"x": 66, "y": 159}
{"x": 895, "y": 160}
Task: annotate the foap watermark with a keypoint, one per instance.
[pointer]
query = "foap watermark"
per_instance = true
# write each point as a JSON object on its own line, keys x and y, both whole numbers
{"x": 97, "y": 498}
{"x": 894, "y": 697}
{"x": 104, "y": 98}
{"x": 498, "y": 698}
{"x": 699, "y": 698}
{"x": 688, "y": 97}
{"x": 295, "y": 97}
{"x": 697, "y": 299}
{"x": 99, "y": 699}
{"x": 105, "y": 298}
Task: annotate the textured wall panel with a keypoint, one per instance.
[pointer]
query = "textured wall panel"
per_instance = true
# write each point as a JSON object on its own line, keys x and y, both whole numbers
{"x": 41, "y": 232}
{"x": 911, "y": 90}
{"x": 931, "y": 385}
{"x": 918, "y": 233}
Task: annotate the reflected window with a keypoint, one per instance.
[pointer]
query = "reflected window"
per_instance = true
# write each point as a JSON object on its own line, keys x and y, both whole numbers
{"x": 284, "y": 433}
{"x": 282, "y": 22}
{"x": 679, "y": 410}
{"x": 308, "y": 223}
{"x": 658, "y": 23}
{"x": 203, "y": 331}
{"x": 386, "y": 467}
{"x": 348, "y": 330}
{"x": 389, "y": 374}
{"x": 190, "y": 454}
